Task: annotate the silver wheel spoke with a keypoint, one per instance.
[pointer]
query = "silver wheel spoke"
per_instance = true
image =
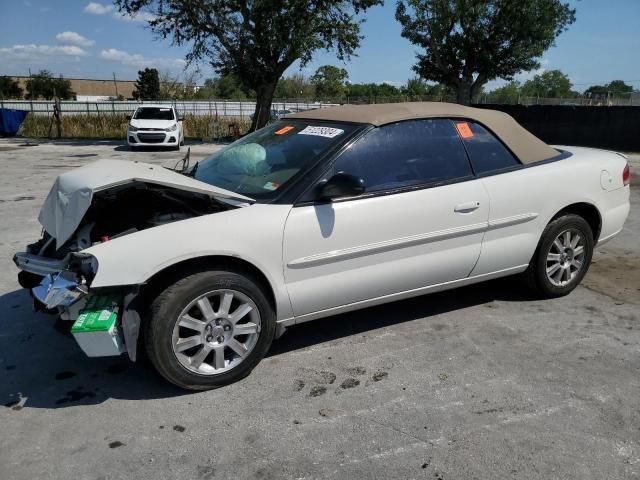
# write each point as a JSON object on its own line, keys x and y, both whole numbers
{"x": 218, "y": 357}
{"x": 576, "y": 263}
{"x": 578, "y": 251}
{"x": 558, "y": 245}
{"x": 567, "y": 239}
{"x": 192, "y": 323}
{"x": 204, "y": 305}
{"x": 553, "y": 269}
{"x": 237, "y": 347}
{"x": 245, "y": 329}
{"x": 187, "y": 343}
{"x": 240, "y": 312}
{"x": 553, "y": 257}
{"x": 199, "y": 357}
{"x": 558, "y": 275}
{"x": 575, "y": 240}
{"x": 225, "y": 303}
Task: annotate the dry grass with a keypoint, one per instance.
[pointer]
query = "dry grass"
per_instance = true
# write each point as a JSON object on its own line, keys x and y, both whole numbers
{"x": 114, "y": 126}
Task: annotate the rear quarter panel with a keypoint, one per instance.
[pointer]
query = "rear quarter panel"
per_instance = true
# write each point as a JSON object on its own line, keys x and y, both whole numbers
{"x": 541, "y": 191}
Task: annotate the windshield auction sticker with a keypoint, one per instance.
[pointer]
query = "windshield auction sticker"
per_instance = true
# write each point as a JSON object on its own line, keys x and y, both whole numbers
{"x": 284, "y": 130}
{"x": 464, "y": 130}
{"x": 327, "y": 132}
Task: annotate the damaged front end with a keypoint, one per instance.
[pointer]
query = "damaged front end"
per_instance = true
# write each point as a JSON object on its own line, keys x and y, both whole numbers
{"x": 96, "y": 204}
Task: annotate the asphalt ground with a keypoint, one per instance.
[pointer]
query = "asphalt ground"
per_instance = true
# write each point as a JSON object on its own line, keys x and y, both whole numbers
{"x": 481, "y": 382}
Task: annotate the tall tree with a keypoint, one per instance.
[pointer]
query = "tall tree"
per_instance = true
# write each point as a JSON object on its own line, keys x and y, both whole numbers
{"x": 9, "y": 88}
{"x": 469, "y": 42}
{"x": 329, "y": 81}
{"x": 615, "y": 89}
{"x": 43, "y": 84}
{"x": 507, "y": 92}
{"x": 147, "y": 85}
{"x": 256, "y": 40}
{"x": 295, "y": 86}
{"x": 551, "y": 84}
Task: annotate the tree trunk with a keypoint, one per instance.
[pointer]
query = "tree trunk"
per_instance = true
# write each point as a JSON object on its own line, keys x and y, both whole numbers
{"x": 262, "y": 113}
{"x": 463, "y": 93}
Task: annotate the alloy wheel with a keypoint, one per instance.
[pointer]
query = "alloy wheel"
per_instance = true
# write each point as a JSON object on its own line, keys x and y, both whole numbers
{"x": 565, "y": 258}
{"x": 216, "y": 332}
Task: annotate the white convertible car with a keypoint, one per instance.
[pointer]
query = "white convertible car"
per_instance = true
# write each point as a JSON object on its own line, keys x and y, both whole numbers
{"x": 322, "y": 212}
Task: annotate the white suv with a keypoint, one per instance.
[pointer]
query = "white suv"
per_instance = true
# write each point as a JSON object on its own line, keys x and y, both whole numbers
{"x": 155, "y": 125}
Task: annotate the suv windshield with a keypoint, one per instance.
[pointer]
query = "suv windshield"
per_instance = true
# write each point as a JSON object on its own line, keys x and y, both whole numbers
{"x": 259, "y": 164}
{"x": 154, "y": 113}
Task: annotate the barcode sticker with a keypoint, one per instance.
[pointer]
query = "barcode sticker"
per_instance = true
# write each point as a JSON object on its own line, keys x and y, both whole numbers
{"x": 327, "y": 132}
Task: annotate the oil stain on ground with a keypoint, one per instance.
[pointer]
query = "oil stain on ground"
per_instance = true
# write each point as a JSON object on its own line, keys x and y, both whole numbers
{"x": 317, "y": 391}
{"x": 116, "y": 444}
{"x": 349, "y": 383}
{"x": 65, "y": 375}
{"x": 75, "y": 396}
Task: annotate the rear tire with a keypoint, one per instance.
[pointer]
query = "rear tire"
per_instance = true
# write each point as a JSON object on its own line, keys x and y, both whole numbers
{"x": 562, "y": 258}
{"x": 222, "y": 351}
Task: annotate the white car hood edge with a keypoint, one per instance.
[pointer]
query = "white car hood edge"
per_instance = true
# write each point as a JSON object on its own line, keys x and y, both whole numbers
{"x": 72, "y": 192}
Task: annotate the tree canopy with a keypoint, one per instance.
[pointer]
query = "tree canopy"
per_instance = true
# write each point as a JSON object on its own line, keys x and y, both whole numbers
{"x": 147, "y": 86}
{"x": 255, "y": 40}
{"x": 9, "y": 88}
{"x": 550, "y": 84}
{"x": 44, "y": 85}
{"x": 469, "y": 42}
{"x": 329, "y": 81}
{"x": 615, "y": 89}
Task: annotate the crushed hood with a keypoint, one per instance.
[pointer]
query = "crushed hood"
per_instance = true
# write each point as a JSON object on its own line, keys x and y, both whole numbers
{"x": 72, "y": 192}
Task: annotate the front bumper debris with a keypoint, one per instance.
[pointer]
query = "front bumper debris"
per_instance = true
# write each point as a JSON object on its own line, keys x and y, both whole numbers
{"x": 58, "y": 291}
{"x": 29, "y": 262}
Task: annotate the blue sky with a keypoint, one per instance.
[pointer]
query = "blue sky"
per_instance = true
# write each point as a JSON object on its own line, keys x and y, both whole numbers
{"x": 85, "y": 39}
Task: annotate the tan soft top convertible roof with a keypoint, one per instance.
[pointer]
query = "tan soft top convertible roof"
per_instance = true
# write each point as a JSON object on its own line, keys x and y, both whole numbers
{"x": 523, "y": 144}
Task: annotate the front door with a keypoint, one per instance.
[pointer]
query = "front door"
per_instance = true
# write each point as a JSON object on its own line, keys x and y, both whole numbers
{"x": 419, "y": 223}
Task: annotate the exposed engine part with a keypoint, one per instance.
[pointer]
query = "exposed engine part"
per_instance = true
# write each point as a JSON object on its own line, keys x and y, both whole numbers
{"x": 128, "y": 209}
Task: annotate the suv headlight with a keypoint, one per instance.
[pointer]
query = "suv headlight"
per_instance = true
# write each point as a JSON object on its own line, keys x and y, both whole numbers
{"x": 132, "y": 128}
{"x": 172, "y": 128}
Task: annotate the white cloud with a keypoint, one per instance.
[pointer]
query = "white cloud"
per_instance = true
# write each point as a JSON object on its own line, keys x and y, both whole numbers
{"x": 98, "y": 8}
{"x": 36, "y": 52}
{"x": 103, "y": 9}
{"x": 142, "y": 17}
{"x": 73, "y": 38}
{"x": 137, "y": 60}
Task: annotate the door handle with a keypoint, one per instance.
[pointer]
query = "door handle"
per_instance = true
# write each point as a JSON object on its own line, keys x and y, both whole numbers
{"x": 467, "y": 207}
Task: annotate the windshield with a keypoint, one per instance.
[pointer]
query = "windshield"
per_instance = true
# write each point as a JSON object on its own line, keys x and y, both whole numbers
{"x": 154, "y": 113}
{"x": 261, "y": 163}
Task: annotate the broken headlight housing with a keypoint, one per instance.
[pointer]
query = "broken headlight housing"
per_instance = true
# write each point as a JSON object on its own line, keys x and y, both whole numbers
{"x": 85, "y": 265}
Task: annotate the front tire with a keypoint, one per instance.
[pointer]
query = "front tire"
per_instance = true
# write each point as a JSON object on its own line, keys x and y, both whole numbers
{"x": 562, "y": 258}
{"x": 209, "y": 329}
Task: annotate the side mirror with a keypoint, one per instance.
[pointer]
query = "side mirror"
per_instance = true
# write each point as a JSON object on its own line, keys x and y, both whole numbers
{"x": 128, "y": 117}
{"x": 181, "y": 119}
{"x": 341, "y": 185}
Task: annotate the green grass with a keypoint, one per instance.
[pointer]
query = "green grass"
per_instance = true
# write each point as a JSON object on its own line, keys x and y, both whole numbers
{"x": 114, "y": 127}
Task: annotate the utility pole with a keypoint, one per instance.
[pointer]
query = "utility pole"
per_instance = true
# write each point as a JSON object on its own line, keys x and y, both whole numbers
{"x": 115, "y": 84}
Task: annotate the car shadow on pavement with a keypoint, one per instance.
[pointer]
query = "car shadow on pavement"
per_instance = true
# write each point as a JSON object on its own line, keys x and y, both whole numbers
{"x": 359, "y": 321}
{"x": 41, "y": 366}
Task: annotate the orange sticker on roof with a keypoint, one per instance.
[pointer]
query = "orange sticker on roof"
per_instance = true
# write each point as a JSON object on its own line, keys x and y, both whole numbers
{"x": 284, "y": 130}
{"x": 464, "y": 130}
